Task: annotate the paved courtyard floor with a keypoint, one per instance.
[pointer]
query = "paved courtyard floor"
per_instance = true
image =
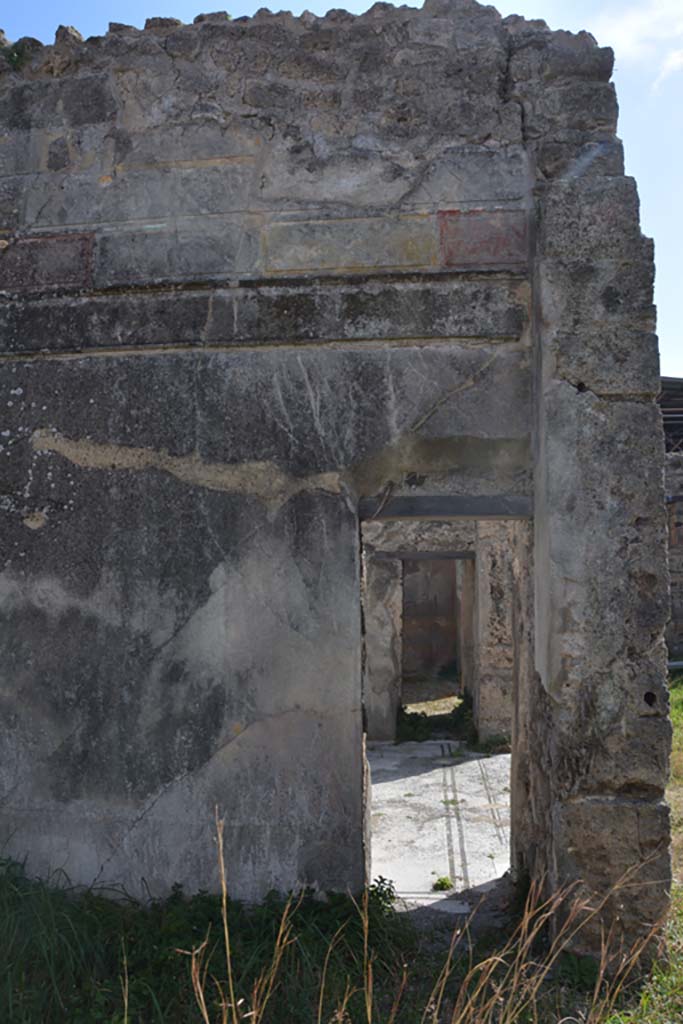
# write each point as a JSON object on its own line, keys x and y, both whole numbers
{"x": 439, "y": 810}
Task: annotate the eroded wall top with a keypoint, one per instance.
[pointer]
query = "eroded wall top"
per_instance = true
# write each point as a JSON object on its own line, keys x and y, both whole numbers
{"x": 399, "y": 140}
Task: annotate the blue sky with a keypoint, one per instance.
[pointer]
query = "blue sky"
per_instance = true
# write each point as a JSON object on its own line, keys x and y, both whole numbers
{"x": 647, "y": 36}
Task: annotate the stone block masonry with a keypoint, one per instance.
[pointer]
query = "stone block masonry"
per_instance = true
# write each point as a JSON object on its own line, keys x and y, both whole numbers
{"x": 256, "y": 277}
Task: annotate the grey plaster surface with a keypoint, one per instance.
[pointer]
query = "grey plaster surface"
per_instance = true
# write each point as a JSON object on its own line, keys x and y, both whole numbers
{"x": 438, "y": 810}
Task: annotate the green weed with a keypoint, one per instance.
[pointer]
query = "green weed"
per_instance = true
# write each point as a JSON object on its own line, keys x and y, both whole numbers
{"x": 442, "y": 884}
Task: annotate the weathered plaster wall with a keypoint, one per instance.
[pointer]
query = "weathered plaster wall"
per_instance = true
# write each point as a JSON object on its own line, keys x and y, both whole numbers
{"x": 255, "y": 274}
{"x": 529, "y": 770}
{"x": 493, "y": 647}
{"x": 466, "y": 579}
{"x": 382, "y": 598}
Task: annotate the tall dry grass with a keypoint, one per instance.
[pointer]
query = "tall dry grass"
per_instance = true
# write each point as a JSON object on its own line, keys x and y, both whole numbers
{"x": 516, "y": 984}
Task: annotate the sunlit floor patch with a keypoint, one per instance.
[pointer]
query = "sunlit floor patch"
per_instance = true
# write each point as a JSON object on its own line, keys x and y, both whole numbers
{"x": 438, "y": 811}
{"x": 431, "y": 696}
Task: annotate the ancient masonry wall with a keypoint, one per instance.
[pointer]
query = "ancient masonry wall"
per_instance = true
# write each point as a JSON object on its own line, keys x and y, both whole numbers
{"x": 674, "y": 494}
{"x": 260, "y": 277}
{"x": 601, "y": 588}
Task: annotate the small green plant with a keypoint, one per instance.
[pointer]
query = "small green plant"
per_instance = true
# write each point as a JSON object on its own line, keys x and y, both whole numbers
{"x": 382, "y": 894}
{"x": 442, "y": 884}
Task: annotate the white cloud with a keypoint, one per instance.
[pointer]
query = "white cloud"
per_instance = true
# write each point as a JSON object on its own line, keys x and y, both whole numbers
{"x": 672, "y": 62}
{"x": 637, "y": 31}
{"x": 644, "y": 33}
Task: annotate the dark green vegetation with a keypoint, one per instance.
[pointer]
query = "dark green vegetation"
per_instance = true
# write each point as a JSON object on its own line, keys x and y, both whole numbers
{"x": 457, "y": 724}
{"x": 65, "y": 956}
{"x": 660, "y": 1000}
{"x": 89, "y": 959}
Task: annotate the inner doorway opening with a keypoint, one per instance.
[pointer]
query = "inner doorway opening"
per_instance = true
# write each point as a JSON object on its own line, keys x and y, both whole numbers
{"x": 431, "y": 637}
{"x": 440, "y": 662}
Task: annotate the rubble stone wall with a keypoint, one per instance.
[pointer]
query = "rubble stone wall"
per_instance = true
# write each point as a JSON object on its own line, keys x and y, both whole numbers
{"x": 601, "y": 588}
{"x": 674, "y": 493}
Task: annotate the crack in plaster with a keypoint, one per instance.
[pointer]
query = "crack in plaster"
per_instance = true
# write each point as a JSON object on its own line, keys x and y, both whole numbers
{"x": 464, "y": 386}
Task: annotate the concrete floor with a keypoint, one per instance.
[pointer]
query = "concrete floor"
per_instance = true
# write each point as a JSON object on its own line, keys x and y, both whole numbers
{"x": 439, "y": 810}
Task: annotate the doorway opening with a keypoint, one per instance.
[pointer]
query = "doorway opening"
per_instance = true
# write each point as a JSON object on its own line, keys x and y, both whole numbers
{"x": 440, "y": 662}
{"x": 430, "y": 638}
